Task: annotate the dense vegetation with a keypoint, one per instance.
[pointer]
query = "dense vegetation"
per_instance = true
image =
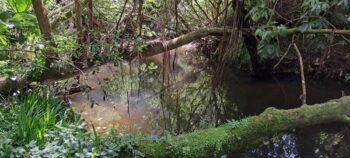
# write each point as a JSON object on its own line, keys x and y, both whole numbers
{"x": 45, "y": 40}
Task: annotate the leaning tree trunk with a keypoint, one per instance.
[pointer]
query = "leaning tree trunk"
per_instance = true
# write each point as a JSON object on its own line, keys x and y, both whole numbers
{"x": 45, "y": 28}
{"x": 240, "y": 135}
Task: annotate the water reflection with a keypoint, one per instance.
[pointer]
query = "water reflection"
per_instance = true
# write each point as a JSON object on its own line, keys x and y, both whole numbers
{"x": 130, "y": 97}
{"x": 318, "y": 141}
{"x": 127, "y": 97}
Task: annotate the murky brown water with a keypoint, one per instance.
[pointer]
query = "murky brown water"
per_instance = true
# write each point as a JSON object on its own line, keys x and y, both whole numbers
{"x": 128, "y": 98}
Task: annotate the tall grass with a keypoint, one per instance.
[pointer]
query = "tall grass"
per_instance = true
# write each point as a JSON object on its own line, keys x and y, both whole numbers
{"x": 36, "y": 113}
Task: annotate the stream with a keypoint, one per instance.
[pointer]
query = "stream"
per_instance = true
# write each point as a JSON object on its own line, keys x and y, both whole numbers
{"x": 128, "y": 97}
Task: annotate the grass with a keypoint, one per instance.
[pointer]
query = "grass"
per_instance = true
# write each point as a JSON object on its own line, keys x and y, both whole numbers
{"x": 35, "y": 115}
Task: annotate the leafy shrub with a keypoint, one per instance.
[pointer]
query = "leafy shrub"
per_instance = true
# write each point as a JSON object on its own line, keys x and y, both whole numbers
{"x": 74, "y": 141}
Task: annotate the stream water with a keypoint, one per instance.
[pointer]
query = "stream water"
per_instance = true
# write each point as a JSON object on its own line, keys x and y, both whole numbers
{"x": 129, "y": 98}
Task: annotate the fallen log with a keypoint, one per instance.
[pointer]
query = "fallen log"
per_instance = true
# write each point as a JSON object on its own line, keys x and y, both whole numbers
{"x": 239, "y": 135}
{"x": 8, "y": 85}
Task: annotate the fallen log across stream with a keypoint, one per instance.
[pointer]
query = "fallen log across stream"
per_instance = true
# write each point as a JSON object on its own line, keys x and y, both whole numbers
{"x": 236, "y": 136}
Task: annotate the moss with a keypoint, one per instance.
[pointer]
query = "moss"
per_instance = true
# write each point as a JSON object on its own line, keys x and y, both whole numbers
{"x": 214, "y": 142}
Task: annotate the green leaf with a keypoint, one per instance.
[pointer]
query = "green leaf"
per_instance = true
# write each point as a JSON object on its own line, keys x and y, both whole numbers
{"x": 19, "y": 6}
{"x": 282, "y": 31}
{"x": 340, "y": 18}
{"x": 23, "y": 19}
{"x": 347, "y": 77}
{"x": 3, "y": 40}
{"x": 3, "y": 27}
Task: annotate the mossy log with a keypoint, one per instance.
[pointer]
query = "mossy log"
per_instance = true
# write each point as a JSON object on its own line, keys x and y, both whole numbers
{"x": 240, "y": 135}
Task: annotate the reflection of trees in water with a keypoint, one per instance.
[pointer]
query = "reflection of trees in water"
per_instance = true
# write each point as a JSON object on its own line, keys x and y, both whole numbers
{"x": 186, "y": 104}
{"x": 194, "y": 105}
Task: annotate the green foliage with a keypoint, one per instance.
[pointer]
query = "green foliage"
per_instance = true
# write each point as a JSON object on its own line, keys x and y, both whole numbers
{"x": 315, "y": 14}
{"x": 35, "y": 115}
{"x": 268, "y": 48}
{"x": 17, "y": 28}
{"x": 347, "y": 77}
{"x": 4, "y": 30}
{"x": 36, "y": 69}
{"x": 7, "y": 149}
{"x": 260, "y": 11}
{"x": 315, "y": 7}
{"x": 40, "y": 126}
{"x": 148, "y": 67}
{"x": 115, "y": 57}
{"x": 19, "y": 6}
{"x": 151, "y": 5}
{"x": 319, "y": 23}
{"x": 73, "y": 141}
{"x": 237, "y": 123}
{"x": 139, "y": 44}
{"x": 239, "y": 55}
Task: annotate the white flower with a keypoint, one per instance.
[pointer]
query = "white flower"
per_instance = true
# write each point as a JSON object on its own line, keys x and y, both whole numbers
{"x": 41, "y": 46}
{"x": 13, "y": 78}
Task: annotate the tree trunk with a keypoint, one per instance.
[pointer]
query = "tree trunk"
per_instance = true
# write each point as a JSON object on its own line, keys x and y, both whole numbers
{"x": 244, "y": 134}
{"x": 45, "y": 28}
{"x": 78, "y": 22}
{"x": 90, "y": 14}
{"x": 82, "y": 54}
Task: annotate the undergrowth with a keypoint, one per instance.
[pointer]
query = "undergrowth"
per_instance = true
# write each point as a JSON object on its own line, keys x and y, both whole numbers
{"x": 39, "y": 125}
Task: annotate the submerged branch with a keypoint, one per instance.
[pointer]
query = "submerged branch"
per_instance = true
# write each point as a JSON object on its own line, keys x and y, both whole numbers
{"x": 302, "y": 74}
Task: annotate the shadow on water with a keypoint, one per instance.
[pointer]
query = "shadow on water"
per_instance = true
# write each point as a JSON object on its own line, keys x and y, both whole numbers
{"x": 126, "y": 97}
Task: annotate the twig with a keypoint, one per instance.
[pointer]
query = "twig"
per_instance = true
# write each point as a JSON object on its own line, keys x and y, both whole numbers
{"x": 59, "y": 10}
{"x": 347, "y": 40}
{"x": 284, "y": 55}
{"x": 15, "y": 50}
{"x": 121, "y": 15}
{"x": 301, "y": 74}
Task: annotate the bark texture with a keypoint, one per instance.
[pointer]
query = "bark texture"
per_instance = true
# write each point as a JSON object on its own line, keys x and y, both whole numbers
{"x": 78, "y": 21}
{"x": 43, "y": 20}
{"x": 45, "y": 29}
